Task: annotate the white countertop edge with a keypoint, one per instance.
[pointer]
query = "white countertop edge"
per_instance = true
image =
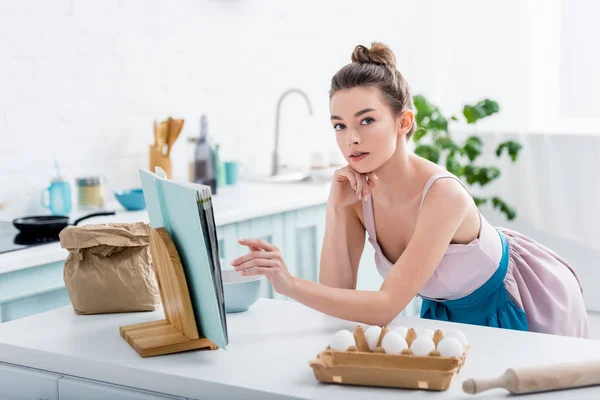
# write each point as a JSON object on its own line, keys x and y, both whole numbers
{"x": 134, "y": 378}
{"x": 27, "y": 258}
{"x": 288, "y": 197}
{"x": 229, "y": 217}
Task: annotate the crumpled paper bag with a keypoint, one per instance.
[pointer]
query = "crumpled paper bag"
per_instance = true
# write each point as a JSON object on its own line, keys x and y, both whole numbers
{"x": 109, "y": 268}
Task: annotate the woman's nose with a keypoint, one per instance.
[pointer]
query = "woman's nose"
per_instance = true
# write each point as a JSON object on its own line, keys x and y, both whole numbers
{"x": 352, "y": 137}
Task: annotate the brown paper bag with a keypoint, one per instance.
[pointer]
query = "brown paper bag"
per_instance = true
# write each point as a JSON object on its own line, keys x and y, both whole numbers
{"x": 109, "y": 268}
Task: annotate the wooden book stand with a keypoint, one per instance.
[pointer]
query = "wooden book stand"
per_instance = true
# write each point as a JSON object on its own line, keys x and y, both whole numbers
{"x": 178, "y": 332}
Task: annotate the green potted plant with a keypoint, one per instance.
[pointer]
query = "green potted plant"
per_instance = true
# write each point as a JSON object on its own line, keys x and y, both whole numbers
{"x": 434, "y": 142}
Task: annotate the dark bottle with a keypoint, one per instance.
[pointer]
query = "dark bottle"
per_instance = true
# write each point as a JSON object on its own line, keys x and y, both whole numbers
{"x": 205, "y": 167}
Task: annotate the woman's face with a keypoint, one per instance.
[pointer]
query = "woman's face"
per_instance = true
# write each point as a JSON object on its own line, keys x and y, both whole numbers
{"x": 365, "y": 127}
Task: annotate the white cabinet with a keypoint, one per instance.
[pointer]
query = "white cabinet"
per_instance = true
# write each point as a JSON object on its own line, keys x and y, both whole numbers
{"x": 21, "y": 383}
{"x": 32, "y": 290}
{"x": 77, "y": 389}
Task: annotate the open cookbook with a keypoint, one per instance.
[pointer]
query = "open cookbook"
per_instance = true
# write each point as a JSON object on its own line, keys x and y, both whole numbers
{"x": 185, "y": 210}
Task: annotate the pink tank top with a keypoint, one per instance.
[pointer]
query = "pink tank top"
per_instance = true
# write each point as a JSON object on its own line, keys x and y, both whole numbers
{"x": 464, "y": 267}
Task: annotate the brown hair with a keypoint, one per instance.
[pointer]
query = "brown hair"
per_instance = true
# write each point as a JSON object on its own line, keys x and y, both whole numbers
{"x": 376, "y": 67}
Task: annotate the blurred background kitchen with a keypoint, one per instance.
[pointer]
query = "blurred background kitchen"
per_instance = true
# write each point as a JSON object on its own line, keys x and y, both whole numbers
{"x": 82, "y": 84}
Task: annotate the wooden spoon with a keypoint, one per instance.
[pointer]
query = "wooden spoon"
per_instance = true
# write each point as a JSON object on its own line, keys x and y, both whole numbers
{"x": 161, "y": 137}
{"x": 175, "y": 129}
{"x": 155, "y": 134}
{"x": 164, "y": 149}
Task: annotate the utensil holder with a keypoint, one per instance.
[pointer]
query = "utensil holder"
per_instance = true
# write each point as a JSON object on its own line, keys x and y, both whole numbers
{"x": 157, "y": 159}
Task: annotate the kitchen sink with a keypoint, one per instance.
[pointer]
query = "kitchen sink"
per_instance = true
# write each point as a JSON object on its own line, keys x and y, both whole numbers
{"x": 288, "y": 177}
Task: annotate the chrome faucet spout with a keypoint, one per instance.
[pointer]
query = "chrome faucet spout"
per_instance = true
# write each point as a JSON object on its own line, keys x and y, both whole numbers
{"x": 275, "y": 158}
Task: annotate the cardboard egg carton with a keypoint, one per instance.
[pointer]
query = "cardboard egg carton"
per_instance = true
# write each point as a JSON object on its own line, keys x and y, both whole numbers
{"x": 360, "y": 366}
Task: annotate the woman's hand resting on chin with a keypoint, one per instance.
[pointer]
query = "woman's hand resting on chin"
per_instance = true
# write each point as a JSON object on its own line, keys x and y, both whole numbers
{"x": 350, "y": 186}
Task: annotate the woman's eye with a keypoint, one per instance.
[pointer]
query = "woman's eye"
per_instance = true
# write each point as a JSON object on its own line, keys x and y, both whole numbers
{"x": 338, "y": 127}
{"x": 367, "y": 121}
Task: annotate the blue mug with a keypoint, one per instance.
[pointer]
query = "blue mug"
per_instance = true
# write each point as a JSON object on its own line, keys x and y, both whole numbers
{"x": 234, "y": 170}
{"x": 58, "y": 200}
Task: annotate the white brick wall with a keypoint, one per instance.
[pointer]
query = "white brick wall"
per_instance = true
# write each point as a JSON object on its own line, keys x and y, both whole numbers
{"x": 81, "y": 81}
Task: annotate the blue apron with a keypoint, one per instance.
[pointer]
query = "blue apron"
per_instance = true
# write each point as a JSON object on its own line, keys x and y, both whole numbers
{"x": 489, "y": 305}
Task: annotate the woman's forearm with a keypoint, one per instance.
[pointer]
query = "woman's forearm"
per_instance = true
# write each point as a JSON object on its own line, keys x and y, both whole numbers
{"x": 336, "y": 264}
{"x": 335, "y": 261}
{"x": 367, "y": 307}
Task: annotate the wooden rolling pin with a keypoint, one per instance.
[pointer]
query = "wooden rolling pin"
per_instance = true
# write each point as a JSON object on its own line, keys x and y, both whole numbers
{"x": 539, "y": 379}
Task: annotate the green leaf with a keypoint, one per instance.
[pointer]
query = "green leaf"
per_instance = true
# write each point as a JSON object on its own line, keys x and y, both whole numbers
{"x": 482, "y": 109}
{"x": 472, "y": 147}
{"x": 479, "y": 201}
{"x": 490, "y": 106}
{"x": 429, "y": 152}
{"x": 453, "y": 166}
{"x": 475, "y": 139}
{"x": 480, "y": 175}
{"x": 419, "y": 134}
{"x": 498, "y": 203}
{"x": 471, "y": 172}
{"x": 487, "y": 174}
{"x": 512, "y": 148}
{"x": 421, "y": 103}
{"x": 428, "y": 116}
{"x": 446, "y": 143}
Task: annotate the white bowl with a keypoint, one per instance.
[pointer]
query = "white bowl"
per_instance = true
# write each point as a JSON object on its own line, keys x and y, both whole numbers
{"x": 240, "y": 291}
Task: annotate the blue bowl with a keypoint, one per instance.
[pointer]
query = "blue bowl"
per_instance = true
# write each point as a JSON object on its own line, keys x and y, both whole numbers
{"x": 131, "y": 199}
{"x": 240, "y": 291}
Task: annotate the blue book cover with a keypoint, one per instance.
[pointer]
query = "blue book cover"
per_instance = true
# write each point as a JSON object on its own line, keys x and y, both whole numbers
{"x": 179, "y": 207}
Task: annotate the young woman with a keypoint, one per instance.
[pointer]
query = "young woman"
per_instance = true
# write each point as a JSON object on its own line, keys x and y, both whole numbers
{"x": 429, "y": 237}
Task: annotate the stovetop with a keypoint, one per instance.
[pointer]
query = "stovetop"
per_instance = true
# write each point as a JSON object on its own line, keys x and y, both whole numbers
{"x": 11, "y": 239}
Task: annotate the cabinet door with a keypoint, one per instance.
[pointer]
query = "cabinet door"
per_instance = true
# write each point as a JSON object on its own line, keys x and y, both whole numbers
{"x": 308, "y": 231}
{"x": 32, "y": 290}
{"x": 227, "y": 238}
{"x": 25, "y": 383}
{"x": 76, "y": 389}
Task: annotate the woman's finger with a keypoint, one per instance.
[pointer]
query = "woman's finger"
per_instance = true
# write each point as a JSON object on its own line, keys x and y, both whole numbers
{"x": 359, "y": 184}
{"x": 253, "y": 254}
{"x": 257, "y": 262}
{"x": 366, "y": 187}
{"x": 258, "y": 243}
{"x": 371, "y": 184}
{"x": 372, "y": 176}
{"x": 257, "y": 271}
{"x": 346, "y": 173}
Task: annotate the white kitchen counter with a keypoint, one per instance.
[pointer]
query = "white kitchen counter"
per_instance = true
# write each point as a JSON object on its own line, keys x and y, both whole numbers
{"x": 231, "y": 204}
{"x": 270, "y": 347}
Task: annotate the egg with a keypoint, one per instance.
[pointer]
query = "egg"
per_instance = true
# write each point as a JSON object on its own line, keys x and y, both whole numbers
{"x": 422, "y": 346}
{"x": 458, "y": 335}
{"x": 342, "y": 340}
{"x": 393, "y": 343}
{"x": 372, "y": 336}
{"x": 450, "y": 347}
{"x": 402, "y": 331}
{"x": 426, "y": 332}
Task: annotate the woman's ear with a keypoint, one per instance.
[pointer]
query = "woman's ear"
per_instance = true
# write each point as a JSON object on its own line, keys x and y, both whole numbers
{"x": 405, "y": 122}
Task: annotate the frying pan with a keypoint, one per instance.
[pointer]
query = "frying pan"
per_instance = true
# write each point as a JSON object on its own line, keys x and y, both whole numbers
{"x": 49, "y": 225}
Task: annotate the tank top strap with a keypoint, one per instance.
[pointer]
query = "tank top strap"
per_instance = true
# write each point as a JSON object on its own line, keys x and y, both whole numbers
{"x": 434, "y": 178}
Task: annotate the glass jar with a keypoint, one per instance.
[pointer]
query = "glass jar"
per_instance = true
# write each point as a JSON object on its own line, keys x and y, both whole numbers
{"x": 90, "y": 193}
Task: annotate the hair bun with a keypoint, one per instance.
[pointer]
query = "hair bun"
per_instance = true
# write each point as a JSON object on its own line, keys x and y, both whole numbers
{"x": 379, "y": 53}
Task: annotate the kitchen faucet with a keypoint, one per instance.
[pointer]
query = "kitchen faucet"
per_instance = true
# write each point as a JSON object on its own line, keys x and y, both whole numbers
{"x": 275, "y": 162}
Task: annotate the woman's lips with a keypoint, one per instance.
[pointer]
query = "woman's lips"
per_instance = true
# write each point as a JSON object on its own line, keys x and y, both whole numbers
{"x": 356, "y": 157}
